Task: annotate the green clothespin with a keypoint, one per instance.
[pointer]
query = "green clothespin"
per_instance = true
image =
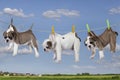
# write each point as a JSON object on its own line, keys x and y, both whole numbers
{"x": 88, "y": 28}
{"x": 108, "y": 24}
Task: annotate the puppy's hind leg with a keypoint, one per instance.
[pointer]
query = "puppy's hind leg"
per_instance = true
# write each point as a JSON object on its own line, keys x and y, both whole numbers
{"x": 35, "y": 47}
{"x": 101, "y": 54}
{"x": 76, "y": 49}
{"x": 112, "y": 43}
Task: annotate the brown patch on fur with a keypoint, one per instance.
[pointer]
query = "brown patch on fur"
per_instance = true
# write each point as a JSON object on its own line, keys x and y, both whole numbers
{"x": 49, "y": 43}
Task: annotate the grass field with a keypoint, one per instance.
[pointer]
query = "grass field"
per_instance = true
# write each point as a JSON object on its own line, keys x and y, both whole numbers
{"x": 104, "y": 77}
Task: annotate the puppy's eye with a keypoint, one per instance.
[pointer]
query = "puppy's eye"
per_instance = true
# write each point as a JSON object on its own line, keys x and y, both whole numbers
{"x": 10, "y": 38}
{"x": 47, "y": 47}
{"x": 5, "y": 37}
{"x": 91, "y": 42}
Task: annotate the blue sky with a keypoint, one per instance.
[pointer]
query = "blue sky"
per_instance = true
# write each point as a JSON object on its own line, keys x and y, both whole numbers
{"x": 62, "y": 14}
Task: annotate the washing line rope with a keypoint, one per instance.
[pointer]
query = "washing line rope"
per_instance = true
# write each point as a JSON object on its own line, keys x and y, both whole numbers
{"x": 46, "y": 31}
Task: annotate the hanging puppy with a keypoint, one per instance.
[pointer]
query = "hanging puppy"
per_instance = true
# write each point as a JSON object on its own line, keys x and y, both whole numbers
{"x": 15, "y": 38}
{"x": 57, "y": 43}
{"x": 94, "y": 42}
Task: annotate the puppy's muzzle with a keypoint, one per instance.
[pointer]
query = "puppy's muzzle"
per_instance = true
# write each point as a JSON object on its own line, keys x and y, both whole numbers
{"x": 7, "y": 40}
{"x": 89, "y": 46}
{"x": 44, "y": 49}
{"x": 85, "y": 43}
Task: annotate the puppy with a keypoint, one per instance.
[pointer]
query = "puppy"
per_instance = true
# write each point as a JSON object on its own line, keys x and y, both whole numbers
{"x": 94, "y": 42}
{"x": 15, "y": 38}
{"x": 57, "y": 43}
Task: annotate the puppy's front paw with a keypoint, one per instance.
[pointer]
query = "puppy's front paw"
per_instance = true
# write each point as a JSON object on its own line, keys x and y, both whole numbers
{"x": 36, "y": 55}
{"x": 76, "y": 60}
{"x": 91, "y": 57}
{"x": 58, "y": 61}
{"x": 101, "y": 56}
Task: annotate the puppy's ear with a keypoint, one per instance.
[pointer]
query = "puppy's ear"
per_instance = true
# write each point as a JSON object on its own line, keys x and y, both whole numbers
{"x": 4, "y": 33}
{"x": 95, "y": 38}
{"x": 14, "y": 34}
{"x": 49, "y": 43}
{"x": 91, "y": 33}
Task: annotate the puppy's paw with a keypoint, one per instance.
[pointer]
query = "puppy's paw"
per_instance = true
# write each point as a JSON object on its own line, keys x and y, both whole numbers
{"x": 58, "y": 61}
{"x": 91, "y": 57}
{"x": 14, "y": 54}
{"x": 36, "y": 55}
{"x": 101, "y": 57}
{"x": 77, "y": 60}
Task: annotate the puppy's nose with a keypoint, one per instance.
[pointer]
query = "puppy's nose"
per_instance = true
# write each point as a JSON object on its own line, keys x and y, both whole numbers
{"x": 85, "y": 44}
{"x": 89, "y": 46}
{"x": 44, "y": 49}
{"x": 7, "y": 40}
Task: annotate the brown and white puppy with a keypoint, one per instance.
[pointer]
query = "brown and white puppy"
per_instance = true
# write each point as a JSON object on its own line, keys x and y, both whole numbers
{"x": 15, "y": 38}
{"x": 94, "y": 42}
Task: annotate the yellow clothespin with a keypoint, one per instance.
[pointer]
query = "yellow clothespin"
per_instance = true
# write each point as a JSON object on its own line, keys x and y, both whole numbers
{"x": 53, "y": 30}
{"x": 73, "y": 28}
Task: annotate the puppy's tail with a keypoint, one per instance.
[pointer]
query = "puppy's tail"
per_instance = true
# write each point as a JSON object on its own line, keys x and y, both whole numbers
{"x": 116, "y": 33}
{"x": 77, "y": 36}
{"x": 31, "y": 26}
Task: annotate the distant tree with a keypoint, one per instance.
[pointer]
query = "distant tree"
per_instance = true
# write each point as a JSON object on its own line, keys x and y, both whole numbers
{"x": 78, "y": 74}
{"x": 85, "y": 73}
{"x": 5, "y": 73}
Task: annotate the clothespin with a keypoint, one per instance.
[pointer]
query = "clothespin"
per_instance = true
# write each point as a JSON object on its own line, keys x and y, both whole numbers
{"x": 73, "y": 28}
{"x": 53, "y": 30}
{"x": 108, "y": 24}
{"x": 88, "y": 28}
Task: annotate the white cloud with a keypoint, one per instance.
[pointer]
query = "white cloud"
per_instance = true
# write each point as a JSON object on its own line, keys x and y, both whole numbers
{"x": 51, "y": 14}
{"x": 67, "y": 12}
{"x": 16, "y": 12}
{"x": 83, "y": 67}
{"x": 115, "y": 63}
{"x": 114, "y": 10}
{"x": 60, "y": 12}
{"x": 4, "y": 49}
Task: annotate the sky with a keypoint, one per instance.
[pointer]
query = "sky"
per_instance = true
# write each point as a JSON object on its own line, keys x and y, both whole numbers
{"x": 61, "y": 14}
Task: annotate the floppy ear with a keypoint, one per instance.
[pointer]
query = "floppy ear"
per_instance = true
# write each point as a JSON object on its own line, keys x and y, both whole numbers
{"x": 49, "y": 43}
{"x": 4, "y": 33}
{"x": 14, "y": 34}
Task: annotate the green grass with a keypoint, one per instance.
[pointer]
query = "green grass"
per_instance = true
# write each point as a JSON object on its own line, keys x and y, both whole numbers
{"x": 104, "y": 77}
